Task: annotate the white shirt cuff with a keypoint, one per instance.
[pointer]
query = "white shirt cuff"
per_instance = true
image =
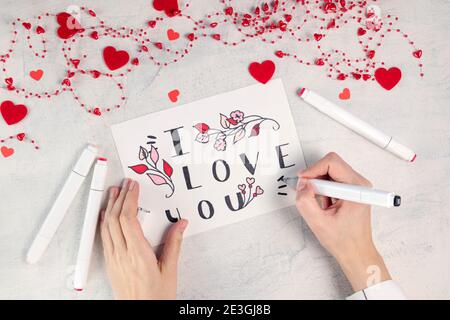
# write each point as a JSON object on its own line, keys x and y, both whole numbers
{"x": 386, "y": 290}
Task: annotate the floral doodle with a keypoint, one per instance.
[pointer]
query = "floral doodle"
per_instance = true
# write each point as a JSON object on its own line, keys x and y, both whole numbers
{"x": 235, "y": 125}
{"x": 251, "y": 195}
{"x": 151, "y": 169}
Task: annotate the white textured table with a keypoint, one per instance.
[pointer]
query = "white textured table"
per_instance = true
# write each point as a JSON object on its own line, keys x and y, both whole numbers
{"x": 262, "y": 257}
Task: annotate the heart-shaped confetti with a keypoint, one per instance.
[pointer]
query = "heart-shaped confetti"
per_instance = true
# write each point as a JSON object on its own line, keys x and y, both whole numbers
{"x": 115, "y": 59}
{"x": 345, "y": 94}
{"x": 36, "y": 74}
{"x": 69, "y": 26}
{"x": 172, "y": 35}
{"x": 173, "y": 95}
{"x": 262, "y": 72}
{"x": 12, "y": 113}
{"x": 388, "y": 79}
{"x": 6, "y": 152}
{"x": 170, "y": 7}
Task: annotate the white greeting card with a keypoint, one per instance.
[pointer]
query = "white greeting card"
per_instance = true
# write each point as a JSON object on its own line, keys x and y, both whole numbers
{"x": 214, "y": 162}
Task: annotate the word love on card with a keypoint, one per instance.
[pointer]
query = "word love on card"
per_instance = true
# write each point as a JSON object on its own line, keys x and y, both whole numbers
{"x": 215, "y": 161}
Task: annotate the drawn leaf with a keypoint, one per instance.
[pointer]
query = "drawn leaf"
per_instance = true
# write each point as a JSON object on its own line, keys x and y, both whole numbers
{"x": 223, "y": 121}
{"x": 139, "y": 168}
{"x": 167, "y": 168}
{"x": 255, "y": 130}
{"x": 239, "y": 135}
{"x": 154, "y": 155}
{"x": 232, "y": 121}
{"x": 143, "y": 154}
{"x": 202, "y": 127}
{"x": 157, "y": 180}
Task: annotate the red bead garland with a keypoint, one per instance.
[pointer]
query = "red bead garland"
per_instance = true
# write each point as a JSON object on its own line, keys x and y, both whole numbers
{"x": 302, "y": 21}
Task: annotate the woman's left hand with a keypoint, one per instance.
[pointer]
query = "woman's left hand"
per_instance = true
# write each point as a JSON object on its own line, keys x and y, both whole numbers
{"x": 132, "y": 267}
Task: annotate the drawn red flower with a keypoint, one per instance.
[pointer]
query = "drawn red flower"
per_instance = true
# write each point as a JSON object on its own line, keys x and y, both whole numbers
{"x": 202, "y": 127}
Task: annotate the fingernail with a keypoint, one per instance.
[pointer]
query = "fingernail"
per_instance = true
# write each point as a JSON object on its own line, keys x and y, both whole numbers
{"x": 301, "y": 184}
{"x": 125, "y": 183}
{"x": 112, "y": 192}
{"x": 132, "y": 184}
{"x": 184, "y": 223}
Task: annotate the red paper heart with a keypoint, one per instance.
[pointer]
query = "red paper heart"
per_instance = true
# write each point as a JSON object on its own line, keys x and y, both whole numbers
{"x": 361, "y": 31}
{"x": 417, "y": 54}
{"x": 36, "y": 74}
{"x": 262, "y": 72}
{"x": 173, "y": 95}
{"x": 13, "y": 113}
{"x": 345, "y": 94}
{"x": 6, "y": 152}
{"x": 115, "y": 59}
{"x": 69, "y": 26}
{"x": 40, "y": 30}
{"x": 170, "y": 7}
{"x": 388, "y": 79}
{"x": 172, "y": 35}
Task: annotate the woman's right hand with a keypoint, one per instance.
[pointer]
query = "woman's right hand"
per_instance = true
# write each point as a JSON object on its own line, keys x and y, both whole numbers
{"x": 342, "y": 227}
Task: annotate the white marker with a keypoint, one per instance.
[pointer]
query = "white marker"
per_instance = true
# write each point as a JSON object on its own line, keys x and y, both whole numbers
{"x": 350, "y": 192}
{"x": 362, "y": 128}
{"x": 62, "y": 203}
{"x": 90, "y": 224}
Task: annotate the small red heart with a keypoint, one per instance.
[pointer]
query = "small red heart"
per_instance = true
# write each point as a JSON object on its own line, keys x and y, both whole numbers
{"x": 170, "y": 7}
{"x": 172, "y": 35}
{"x": 287, "y": 17}
{"x": 173, "y": 95}
{"x": 66, "y": 82}
{"x": 70, "y": 74}
{"x": 97, "y": 112}
{"x": 191, "y": 36}
{"x": 216, "y": 36}
{"x": 388, "y": 79}
{"x": 75, "y": 62}
{"x": 366, "y": 76}
{"x": 417, "y": 54}
{"x": 262, "y": 72}
{"x": 345, "y": 94}
{"x": 152, "y": 23}
{"x": 6, "y": 152}
{"x": 9, "y": 81}
{"x": 40, "y": 30}
{"x": 319, "y": 62}
{"x": 355, "y": 75}
{"x": 135, "y": 62}
{"x": 115, "y": 59}
{"x": 69, "y": 26}
{"x": 331, "y": 24}
{"x": 318, "y": 36}
{"x": 94, "y": 35}
{"x": 36, "y": 74}
{"x": 341, "y": 76}
{"x": 95, "y": 74}
{"x": 370, "y": 54}
{"x": 361, "y": 31}
{"x": 279, "y": 54}
{"x": 159, "y": 45}
{"x": 20, "y": 136}
{"x": 13, "y": 113}
{"x": 26, "y": 25}
{"x": 229, "y": 11}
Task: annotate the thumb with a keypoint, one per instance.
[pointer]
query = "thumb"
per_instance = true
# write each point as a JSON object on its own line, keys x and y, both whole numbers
{"x": 171, "y": 251}
{"x": 306, "y": 202}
